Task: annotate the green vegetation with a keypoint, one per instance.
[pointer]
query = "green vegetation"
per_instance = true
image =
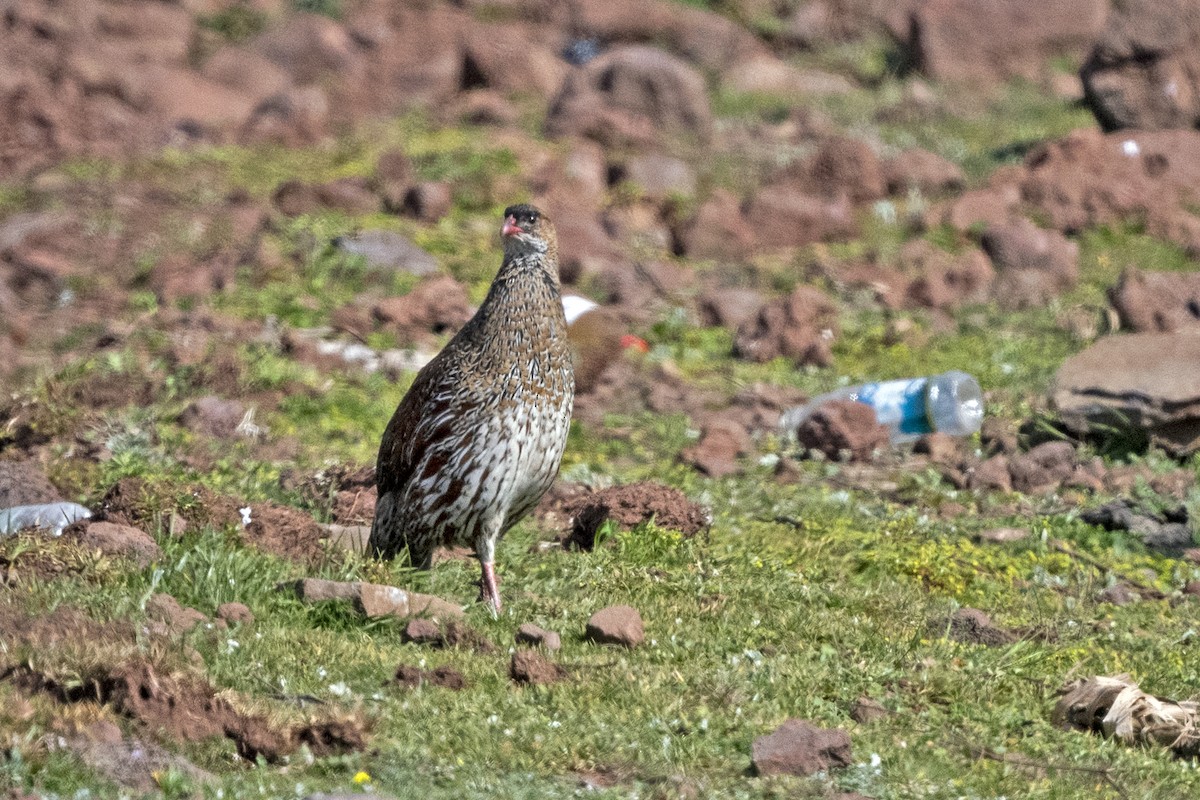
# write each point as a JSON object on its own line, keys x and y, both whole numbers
{"x": 800, "y": 600}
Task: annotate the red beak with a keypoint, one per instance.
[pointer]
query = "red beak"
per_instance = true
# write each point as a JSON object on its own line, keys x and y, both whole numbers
{"x": 511, "y": 228}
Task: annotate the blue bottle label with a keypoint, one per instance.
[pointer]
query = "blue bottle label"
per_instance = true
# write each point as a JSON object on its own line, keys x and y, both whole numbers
{"x": 899, "y": 404}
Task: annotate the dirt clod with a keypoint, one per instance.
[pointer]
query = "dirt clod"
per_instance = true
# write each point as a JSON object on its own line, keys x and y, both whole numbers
{"x": 531, "y": 668}
{"x": 632, "y": 505}
{"x": 531, "y": 634}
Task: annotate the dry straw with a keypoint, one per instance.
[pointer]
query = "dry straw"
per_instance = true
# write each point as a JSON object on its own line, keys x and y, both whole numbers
{"x": 1116, "y": 707}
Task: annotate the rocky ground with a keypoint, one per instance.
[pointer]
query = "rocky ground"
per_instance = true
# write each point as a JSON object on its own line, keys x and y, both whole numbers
{"x": 231, "y": 231}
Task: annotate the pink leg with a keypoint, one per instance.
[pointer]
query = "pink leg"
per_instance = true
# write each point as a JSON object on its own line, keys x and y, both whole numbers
{"x": 491, "y": 587}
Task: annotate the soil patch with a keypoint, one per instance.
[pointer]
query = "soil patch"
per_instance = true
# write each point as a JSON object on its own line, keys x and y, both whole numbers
{"x": 452, "y": 635}
{"x": 270, "y": 527}
{"x": 632, "y": 505}
{"x": 972, "y": 626}
{"x": 346, "y": 491}
{"x": 531, "y": 668}
{"x": 186, "y": 708}
{"x": 411, "y": 677}
{"x": 23, "y": 484}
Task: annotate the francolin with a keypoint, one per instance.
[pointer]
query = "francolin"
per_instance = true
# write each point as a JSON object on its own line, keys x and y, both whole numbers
{"x": 477, "y": 440}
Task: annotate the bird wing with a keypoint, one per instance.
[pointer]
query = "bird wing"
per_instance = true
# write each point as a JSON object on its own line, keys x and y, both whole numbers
{"x": 426, "y": 418}
{"x": 402, "y": 448}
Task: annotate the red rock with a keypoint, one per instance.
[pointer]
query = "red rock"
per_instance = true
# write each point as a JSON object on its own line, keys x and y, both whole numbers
{"x": 984, "y": 41}
{"x": 719, "y": 231}
{"x": 616, "y": 625}
{"x": 784, "y": 215}
{"x": 411, "y": 677}
{"x": 351, "y": 195}
{"x": 1088, "y": 178}
{"x": 632, "y": 505}
{"x": 294, "y": 198}
{"x": 979, "y": 207}
{"x": 293, "y": 117}
{"x": 428, "y": 201}
{"x": 992, "y": 474}
{"x": 923, "y": 171}
{"x": 393, "y": 178}
{"x": 797, "y": 747}
{"x": 843, "y": 429}
{"x": 1138, "y": 75}
{"x": 629, "y": 93}
{"x": 121, "y": 541}
{"x": 182, "y": 97}
{"x": 941, "y": 448}
{"x": 177, "y": 618}
{"x": 722, "y": 443}
{"x": 507, "y": 58}
{"x": 1144, "y": 382}
{"x": 308, "y": 46}
{"x": 1044, "y": 468}
{"x": 766, "y": 74}
{"x": 944, "y": 280}
{"x": 728, "y": 307}
{"x": 843, "y": 166}
{"x": 437, "y": 305}
{"x": 1033, "y": 264}
{"x": 317, "y": 590}
{"x": 799, "y": 327}
{"x": 1157, "y": 301}
{"x": 22, "y": 483}
{"x": 246, "y": 71}
{"x": 376, "y": 600}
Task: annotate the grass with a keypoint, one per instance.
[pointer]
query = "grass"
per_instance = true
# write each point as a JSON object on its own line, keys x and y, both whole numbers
{"x": 799, "y": 601}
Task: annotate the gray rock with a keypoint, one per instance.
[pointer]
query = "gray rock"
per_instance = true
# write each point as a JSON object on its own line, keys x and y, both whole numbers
{"x": 1169, "y": 531}
{"x": 1143, "y": 382}
{"x": 388, "y": 250}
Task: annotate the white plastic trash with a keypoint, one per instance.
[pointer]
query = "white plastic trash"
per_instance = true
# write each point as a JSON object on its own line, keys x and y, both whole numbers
{"x": 50, "y": 516}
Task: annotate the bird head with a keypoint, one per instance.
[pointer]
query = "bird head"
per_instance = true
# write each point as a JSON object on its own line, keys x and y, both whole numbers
{"x": 527, "y": 231}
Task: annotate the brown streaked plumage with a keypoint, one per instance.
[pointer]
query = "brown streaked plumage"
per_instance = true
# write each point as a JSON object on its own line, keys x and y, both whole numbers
{"x": 477, "y": 440}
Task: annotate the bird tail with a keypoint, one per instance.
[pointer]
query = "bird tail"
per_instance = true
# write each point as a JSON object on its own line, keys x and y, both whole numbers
{"x": 389, "y": 537}
{"x": 385, "y": 539}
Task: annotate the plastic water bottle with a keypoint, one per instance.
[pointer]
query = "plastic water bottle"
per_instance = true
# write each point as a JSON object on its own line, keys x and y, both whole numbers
{"x": 948, "y": 403}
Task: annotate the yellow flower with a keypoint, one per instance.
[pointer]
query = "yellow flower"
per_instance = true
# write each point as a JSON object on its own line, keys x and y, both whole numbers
{"x": 361, "y": 777}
